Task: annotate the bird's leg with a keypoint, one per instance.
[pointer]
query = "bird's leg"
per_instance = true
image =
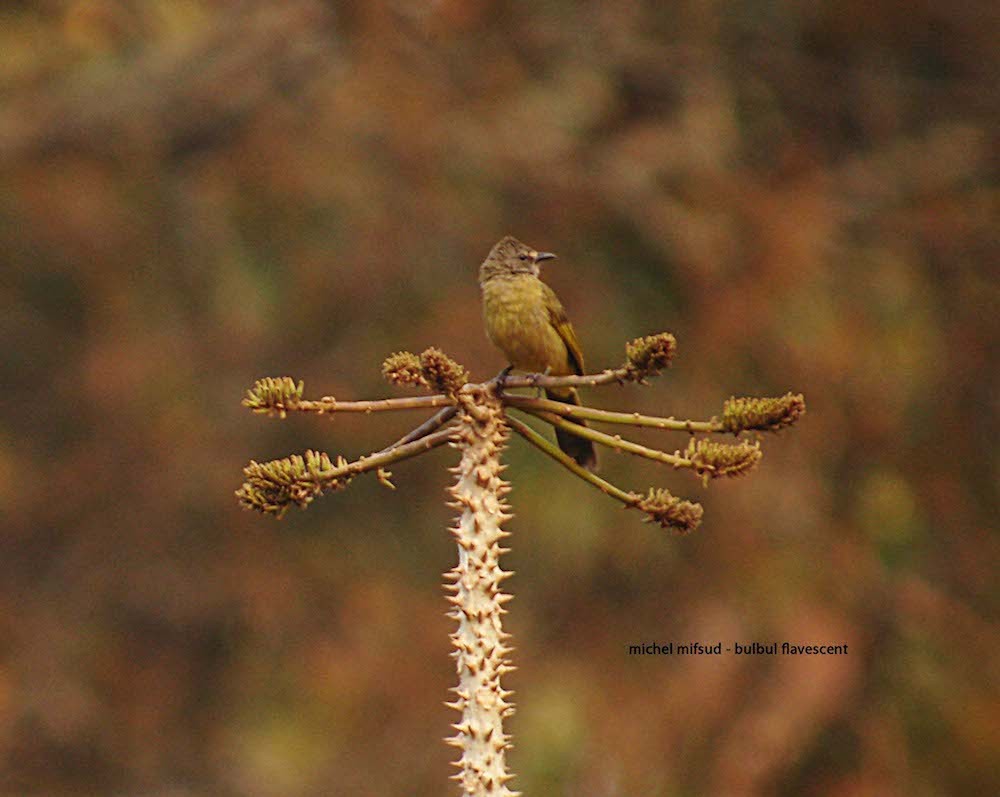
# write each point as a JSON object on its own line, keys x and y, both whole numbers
{"x": 501, "y": 378}
{"x": 541, "y": 390}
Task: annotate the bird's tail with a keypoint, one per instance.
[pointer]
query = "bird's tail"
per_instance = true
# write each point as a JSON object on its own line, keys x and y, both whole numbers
{"x": 580, "y": 449}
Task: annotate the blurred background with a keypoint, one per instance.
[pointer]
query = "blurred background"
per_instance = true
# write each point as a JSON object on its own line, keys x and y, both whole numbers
{"x": 196, "y": 194}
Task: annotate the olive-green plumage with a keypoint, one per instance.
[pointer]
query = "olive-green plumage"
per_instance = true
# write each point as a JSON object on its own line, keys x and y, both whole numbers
{"x": 526, "y": 321}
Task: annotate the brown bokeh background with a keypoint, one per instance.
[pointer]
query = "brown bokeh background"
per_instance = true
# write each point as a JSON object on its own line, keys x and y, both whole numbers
{"x": 195, "y": 194}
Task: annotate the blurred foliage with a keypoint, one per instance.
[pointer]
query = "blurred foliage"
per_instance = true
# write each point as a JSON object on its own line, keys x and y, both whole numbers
{"x": 195, "y": 194}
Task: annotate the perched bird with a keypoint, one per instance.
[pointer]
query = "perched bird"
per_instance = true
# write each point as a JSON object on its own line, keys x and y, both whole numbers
{"x": 526, "y": 321}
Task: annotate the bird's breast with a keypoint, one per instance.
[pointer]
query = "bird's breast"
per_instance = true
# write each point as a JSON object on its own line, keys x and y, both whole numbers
{"x": 518, "y": 323}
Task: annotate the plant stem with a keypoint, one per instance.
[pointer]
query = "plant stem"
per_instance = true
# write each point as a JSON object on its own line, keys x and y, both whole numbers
{"x": 616, "y": 441}
{"x": 529, "y": 403}
{"x": 481, "y": 649}
{"x": 389, "y": 455}
{"x": 431, "y": 424}
{"x": 568, "y": 462}
{"x": 328, "y": 404}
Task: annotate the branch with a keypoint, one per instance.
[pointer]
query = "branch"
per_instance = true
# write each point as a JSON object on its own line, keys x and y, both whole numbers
{"x": 617, "y": 442}
{"x": 659, "y": 506}
{"x": 434, "y": 422}
{"x": 738, "y": 414}
{"x": 277, "y": 396}
{"x": 707, "y": 458}
{"x": 532, "y": 404}
{"x": 272, "y": 487}
{"x": 567, "y": 461}
{"x": 329, "y": 404}
{"x": 644, "y": 358}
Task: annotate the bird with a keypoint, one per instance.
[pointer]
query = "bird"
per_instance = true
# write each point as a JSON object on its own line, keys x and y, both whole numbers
{"x": 526, "y": 321}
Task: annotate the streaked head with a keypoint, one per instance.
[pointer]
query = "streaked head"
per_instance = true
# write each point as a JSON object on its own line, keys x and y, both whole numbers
{"x": 510, "y": 256}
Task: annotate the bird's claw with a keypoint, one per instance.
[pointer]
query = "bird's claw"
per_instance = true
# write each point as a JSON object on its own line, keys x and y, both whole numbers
{"x": 501, "y": 378}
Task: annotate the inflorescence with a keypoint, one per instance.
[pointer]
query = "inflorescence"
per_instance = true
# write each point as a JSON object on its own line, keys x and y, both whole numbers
{"x": 272, "y": 487}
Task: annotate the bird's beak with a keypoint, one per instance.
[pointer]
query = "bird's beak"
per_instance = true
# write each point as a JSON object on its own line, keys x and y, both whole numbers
{"x": 544, "y": 256}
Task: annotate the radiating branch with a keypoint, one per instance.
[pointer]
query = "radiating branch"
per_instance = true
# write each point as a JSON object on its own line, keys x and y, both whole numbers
{"x": 738, "y": 414}
{"x": 272, "y": 487}
{"x": 659, "y": 505}
{"x": 328, "y": 404}
{"x": 530, "y": 404}
{"x": 567, "y": 461}
{"x": 707, "y": 458}
{"x": 277, "y": 396}
{"x": 433, "y": 423}
{"x": 644, "y": 358}
{"x": 675, "y": 460}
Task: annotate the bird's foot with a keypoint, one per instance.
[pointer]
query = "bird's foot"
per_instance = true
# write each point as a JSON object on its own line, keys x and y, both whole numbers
{"x": 541, "y": 390}
{"x": 501, "y": 378}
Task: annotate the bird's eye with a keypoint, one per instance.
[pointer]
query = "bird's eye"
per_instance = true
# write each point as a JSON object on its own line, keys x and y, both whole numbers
{"x": 523, "y": 256}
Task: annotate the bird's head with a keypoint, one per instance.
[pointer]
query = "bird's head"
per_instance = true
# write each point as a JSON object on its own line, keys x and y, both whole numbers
{"x": 510, "y": 256}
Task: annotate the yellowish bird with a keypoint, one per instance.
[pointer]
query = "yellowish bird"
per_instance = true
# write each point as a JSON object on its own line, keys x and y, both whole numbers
{"x": 526, "y": 321}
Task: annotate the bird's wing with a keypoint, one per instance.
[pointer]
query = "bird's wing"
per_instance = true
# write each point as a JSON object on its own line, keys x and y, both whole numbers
{"x": 561, "y": 324}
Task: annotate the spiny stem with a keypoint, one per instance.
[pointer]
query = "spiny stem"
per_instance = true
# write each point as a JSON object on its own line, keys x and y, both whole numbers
{"x": 482, "y": 650}
{"x": 568, "y": 462}
{"x": 616, "y": 441}
{"x": 530, "y": 403}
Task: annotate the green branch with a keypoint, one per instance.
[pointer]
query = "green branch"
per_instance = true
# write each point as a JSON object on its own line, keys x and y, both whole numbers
{"x": 616, "y": 441}
{"x": 659, "y": 505}
{"x": 436, "y": 421}
{"x": 272, "y": 487}
{"x": 530, "y": 404}
{"x": 568, "y": 462}
{"x": 281, "y": 395}
{"x": 738, "y": 414}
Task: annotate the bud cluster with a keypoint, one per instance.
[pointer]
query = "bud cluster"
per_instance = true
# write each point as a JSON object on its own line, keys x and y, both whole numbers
{"x": 648, "y": 356}
{"x": 433, "y": 369}
{"x": 274, "y": 395}
{"x": 713, "y": 460}
{"x": 669, "y": 511}
{"x": 272, "y": 487}
{"x": 762, "y": 414}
